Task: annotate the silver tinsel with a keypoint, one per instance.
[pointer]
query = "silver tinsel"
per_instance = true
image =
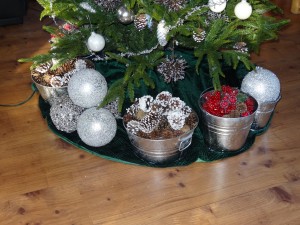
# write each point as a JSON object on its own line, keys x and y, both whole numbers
{"x": 96, "y": 127}
{"x": 172, "y": 69}
{"x": 87, "y": 88}
{"x": 262, "y": 84}
{"x": 64, "y": 114}
{"x": 108, "y": 5}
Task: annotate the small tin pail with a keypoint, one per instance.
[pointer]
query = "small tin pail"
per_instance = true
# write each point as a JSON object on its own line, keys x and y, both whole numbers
{"x": 159, "y": 151}
{"x": 224, "y": 134}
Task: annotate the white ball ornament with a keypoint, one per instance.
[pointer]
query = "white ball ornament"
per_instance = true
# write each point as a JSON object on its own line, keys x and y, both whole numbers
{"x": 96, "y": 127}
{"x": 217, "y": 6}
{"x": 262, "y": 84}
{"x": 95, "y": 42}
{"x": 87, "y": 88}
{"x": 243, "y": 10}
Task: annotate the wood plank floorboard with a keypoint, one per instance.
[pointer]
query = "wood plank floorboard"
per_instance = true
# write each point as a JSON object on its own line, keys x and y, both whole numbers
{"x": 45, "y": 181}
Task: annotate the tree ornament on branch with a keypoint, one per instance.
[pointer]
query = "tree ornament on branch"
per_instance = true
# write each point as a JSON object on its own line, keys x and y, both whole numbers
{"x": 140, "y": 21}
{"x": 125, "y": 15}
{"x": 162, "y": 31}
{"x": 217, "y": 6}
{"x": 199, "y": 35}
{"x": 172, "y": 69}
{"x": 243, "y": 10}
{"x": 96, "y": 42}
{"x": 108, "y": 5}
{"x": 241, "y": 47}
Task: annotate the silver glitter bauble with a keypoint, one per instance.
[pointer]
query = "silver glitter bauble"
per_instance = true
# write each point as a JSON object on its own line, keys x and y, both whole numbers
{"x": 125, "y": 15}
{"x": 64, "y": 114}
{"x": 96, "y": 127}
{"x": 87, "y": 88}
{"x": 262, "y": 84}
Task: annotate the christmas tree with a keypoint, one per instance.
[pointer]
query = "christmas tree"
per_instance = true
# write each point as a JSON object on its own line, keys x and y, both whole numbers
{"x": 144, "y": 34}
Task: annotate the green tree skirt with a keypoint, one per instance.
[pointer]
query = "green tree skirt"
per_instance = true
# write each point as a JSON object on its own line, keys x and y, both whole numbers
{"x": 189, "y": 90}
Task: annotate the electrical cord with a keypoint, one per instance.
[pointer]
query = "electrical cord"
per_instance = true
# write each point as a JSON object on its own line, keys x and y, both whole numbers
{"x": 20, "y": 103}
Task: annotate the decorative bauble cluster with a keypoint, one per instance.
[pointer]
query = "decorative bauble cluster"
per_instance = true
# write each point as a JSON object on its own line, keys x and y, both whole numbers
{"x": 172, "y": 69}
{"x": 172, "y": 5}
{"x": 108, "y": 5}
{"x": 64, "y": 114}
{"x": 164, "y": 116}
{"x": 262, "y": 84}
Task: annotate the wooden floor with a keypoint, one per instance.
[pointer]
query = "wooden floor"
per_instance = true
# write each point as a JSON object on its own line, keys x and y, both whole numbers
{"x": 45, "y": 181}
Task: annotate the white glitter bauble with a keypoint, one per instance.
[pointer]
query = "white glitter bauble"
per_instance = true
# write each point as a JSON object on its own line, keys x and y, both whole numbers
{"x": 217, "y": 6}
{"x": 162, "y": 31}
{"x": 87, "y": 88}
{"x": 96, "y": 127}
{"x": 125, "y": 15}
{"x": 64, "y": 114}
{"x": 95, "y": 42}
{"x": 243, "y": 10}
{"x": 262, "y": 84}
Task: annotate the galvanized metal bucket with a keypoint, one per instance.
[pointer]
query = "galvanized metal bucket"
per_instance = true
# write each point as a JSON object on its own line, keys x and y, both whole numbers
{"x": 224, "y": 134}
{"x": 159, "y": 151}
{"x": 49, "y": 94}
{"x": 263, "y": 113}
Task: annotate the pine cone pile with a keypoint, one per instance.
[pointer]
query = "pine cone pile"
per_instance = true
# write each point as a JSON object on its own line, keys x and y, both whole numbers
{"x": 163, "y": 117}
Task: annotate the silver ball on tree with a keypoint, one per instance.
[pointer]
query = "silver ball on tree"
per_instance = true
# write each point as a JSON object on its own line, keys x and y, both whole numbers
{"x": 87, "y": 88}
{"x": 125, "y": 15}
{"x": 96, "y": 127}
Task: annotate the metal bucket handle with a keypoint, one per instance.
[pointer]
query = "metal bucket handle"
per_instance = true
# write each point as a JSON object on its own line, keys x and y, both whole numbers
{"x": 182, "y": 140}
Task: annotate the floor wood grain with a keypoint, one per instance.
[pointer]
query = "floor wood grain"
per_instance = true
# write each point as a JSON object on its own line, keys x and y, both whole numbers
{"x": 45, "y": 181}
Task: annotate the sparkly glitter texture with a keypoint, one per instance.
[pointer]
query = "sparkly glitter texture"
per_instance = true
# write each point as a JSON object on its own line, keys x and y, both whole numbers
{"x": 108, "y": 5}
{"x": 96, "y": 127}
{"x": 262, "y": 84}
{"x": 87, "y": 88}
{"x": 64, "y": 114}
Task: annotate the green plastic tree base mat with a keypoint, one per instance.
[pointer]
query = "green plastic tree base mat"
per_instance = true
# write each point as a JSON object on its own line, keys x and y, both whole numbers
{"x": 188, "y": 89}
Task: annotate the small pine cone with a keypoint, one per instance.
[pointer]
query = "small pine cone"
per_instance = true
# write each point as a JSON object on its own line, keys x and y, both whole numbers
{"x": 241, "y": 47}
{"x": 133, "y": 109}
{"x": 163, "y": 98}
{"x": 241, "y": 107}
{"x": 186, "y": 111}
{"x": 199, "y": 35}
{"x": 133, "y": 126}
{"x": 176, "y": 120}
{"x": 140, "y": 21}
{"x": 149, "y": 122}
{"x": 145, "y": 103}
{"x": 176, "y": 104}
{"x": 172, "y": 69}
{"x": 108, "y": 5}
{"x": 172, "y": 5}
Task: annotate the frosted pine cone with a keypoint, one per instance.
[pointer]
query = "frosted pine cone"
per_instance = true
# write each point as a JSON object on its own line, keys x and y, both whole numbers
{"x": 140, "y": 21}
{"x": 108, "y": 5}
{"x": 149, "y": 122}
{"x": 241, "y": 47}
{"x": 199, "y": 35}
{"x": 172, "y": 5}
{"x": 172, "y": 69}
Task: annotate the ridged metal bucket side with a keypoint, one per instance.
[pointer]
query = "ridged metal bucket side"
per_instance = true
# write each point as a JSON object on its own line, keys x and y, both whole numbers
{"x": 224, "y": 134}
{"x": 161, "y": 150}
{"x": 49, "y": 93}
{"x": 263, "y": 113}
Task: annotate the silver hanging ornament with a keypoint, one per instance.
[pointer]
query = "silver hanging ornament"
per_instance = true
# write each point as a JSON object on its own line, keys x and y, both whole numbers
{"x": 243, "y": 10}
{"x": 162, "y": 32}
{"x": 96, "y": 127}
{"x": 87, "y": 88}
{"x": 64, "y": 114}
{"x": 125, "y": 15}
{"x": 217, "y": 6}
